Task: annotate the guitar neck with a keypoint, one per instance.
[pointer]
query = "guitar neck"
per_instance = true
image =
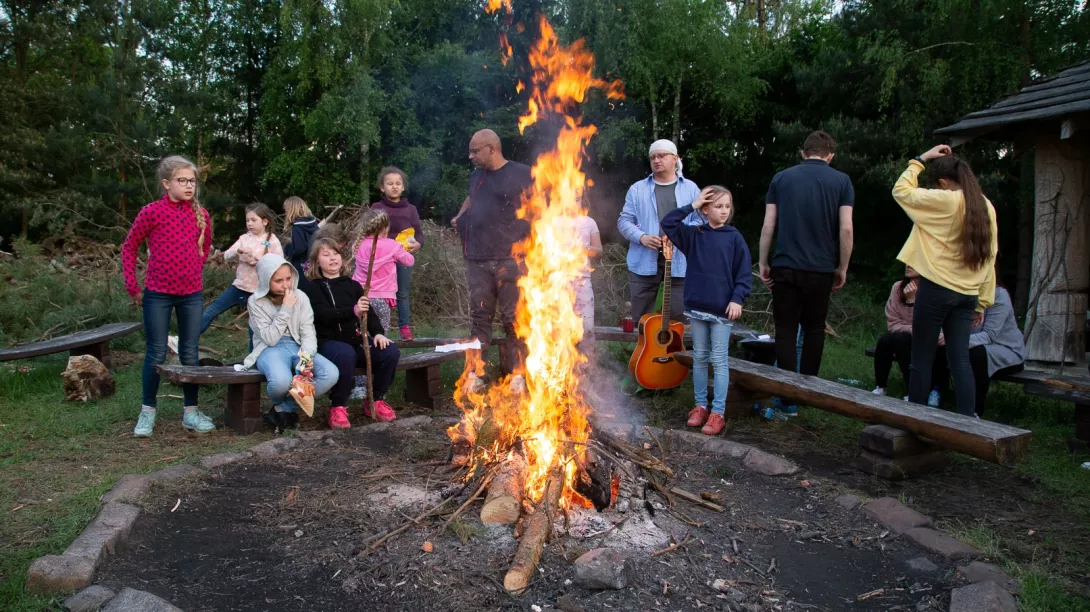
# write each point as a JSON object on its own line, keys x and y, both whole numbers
{"x": 666, "y": 278}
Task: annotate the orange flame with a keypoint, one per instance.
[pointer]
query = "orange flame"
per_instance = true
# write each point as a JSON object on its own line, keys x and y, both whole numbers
{"x": 550, "y": 417}
{"x": 505, "y": 49}
{"x": 494, "y": 5}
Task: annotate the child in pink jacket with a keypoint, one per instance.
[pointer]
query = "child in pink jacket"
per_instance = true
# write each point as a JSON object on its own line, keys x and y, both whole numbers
{"x": 388, "y": 253}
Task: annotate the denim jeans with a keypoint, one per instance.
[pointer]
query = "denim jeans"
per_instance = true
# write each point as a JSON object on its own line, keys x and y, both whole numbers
{"x": 710, "y": 344}
{"x": 226, "y": 301}
{"x": 404, "y": 284}
{"x": 278, "y": 363}
{"x": 938, "y": 308}
{"x": 157, "y": 308}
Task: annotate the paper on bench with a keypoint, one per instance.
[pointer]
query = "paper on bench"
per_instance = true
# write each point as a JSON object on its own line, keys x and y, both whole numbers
{"x": 458, "y": 346}
{"x": 764, "y": 337}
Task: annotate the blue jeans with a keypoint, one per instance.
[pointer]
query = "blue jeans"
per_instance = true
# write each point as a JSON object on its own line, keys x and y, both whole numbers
{"x": 710, "y": 344}
{"x": 278, "y": 363}
{"x": 226, "y": 301}
{"x": 404, "y": 284}
{"x": 157, "y": 308}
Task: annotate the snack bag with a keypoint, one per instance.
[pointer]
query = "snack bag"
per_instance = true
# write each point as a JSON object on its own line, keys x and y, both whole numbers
{"x": 302, "y": 385}
{"x": 406, "y": 237}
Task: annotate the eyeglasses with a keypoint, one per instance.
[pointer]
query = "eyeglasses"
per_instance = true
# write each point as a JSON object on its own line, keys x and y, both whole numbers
{"x": 478, "y": 149}
{"x": 656, "y": 156}
{"x": 187, "y": 182}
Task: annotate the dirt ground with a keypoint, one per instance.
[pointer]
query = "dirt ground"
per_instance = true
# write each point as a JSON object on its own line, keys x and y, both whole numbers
{"x": 286, "y": 533}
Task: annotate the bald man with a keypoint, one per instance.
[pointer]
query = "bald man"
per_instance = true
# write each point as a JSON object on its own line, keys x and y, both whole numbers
{"x": 489, "y": 226}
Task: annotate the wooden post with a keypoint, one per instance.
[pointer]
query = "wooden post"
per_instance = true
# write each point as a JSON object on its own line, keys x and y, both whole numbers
{"x": 894, "y": 454}
{"x": 100, "y": 351}
{"x": 242, "y": 410}
{"x": 1055, "y": 319}
{"x": 423, "y": 386}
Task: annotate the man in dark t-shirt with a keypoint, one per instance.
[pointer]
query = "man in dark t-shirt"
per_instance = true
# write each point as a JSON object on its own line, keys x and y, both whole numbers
{"x": 489, "y": 226}
{"x": 809, "y": 209}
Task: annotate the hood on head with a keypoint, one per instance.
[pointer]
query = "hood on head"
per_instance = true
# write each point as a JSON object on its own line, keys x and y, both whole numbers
{"x": 266, "y": 267}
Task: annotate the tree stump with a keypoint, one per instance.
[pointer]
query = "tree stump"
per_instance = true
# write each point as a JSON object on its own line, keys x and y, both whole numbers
{"x": 86, "y": 379}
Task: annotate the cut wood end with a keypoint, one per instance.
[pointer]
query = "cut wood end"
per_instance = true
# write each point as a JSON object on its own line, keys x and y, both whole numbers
{"x": 516, "y": 581}
{"x": 501, "y": 511}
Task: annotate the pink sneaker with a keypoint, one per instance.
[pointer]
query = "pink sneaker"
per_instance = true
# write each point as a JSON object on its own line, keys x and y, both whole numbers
{"x": 406, "y": 332}
{"x": 383, "y": 410}
{"x": 338, "y": 418}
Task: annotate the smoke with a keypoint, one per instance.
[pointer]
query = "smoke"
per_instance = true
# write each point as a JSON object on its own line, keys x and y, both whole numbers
{"x": 601, "y": 384}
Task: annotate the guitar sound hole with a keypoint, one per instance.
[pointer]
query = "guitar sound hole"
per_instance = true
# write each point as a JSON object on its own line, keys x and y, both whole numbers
{"x": 664, "y": 337}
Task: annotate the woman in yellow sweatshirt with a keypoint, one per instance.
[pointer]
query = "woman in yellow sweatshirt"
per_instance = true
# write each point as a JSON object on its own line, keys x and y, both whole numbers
{"x": 953, "y": 245}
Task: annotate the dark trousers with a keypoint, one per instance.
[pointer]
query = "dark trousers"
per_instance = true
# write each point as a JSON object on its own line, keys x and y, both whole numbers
{"x": 492, "y": 284}
{"x": 643, "y": 289}
{"x": 978, "y": 360}
{"x": 800, "y": 298}
{"x": 940, "y": 309}
{"x": 157, "y": 308}
{"x": 348, "y": 357}
{"x": 897, "y": 346}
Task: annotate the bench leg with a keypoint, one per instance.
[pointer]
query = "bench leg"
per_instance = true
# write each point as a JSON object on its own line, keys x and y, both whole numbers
{"x": 100, "y": 351}
{"x": 242, "y": 412}
{"x": 1081, "y": 441}
{"x": 423, "y": 385}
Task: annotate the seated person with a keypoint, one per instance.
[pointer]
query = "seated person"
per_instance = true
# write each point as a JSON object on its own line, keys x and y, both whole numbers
{"x": 283, "y": 325}
{"x": 896, "y": 345}
{"x": 996, "y": 347}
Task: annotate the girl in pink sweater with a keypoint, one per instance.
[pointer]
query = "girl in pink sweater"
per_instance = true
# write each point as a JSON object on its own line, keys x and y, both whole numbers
{"x": 388, "y": 253}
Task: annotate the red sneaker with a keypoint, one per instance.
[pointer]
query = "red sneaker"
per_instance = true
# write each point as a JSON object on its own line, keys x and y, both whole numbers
{"x": 714, "y": 425}
{"x": 338, "y": 418}
{"x": 697, "y": 416}
{"x": 384, "y": 411}
{"x": 406, "y": 332}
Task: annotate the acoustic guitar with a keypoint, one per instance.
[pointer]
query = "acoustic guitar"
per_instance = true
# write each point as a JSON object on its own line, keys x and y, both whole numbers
{"x": 653, "y": 364}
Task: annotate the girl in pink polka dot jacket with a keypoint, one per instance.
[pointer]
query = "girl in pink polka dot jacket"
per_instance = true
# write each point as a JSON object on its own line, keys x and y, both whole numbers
{"x": 179, "y": 235}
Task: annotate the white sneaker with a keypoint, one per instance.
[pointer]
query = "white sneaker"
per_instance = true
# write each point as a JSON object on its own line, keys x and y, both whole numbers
{"x": 518, "y": 383}
{"x": 905, "y": 398}
{"x": 474, "y": 384}
{"x": 879, "y": 391}
{"x": 172, "y": 344}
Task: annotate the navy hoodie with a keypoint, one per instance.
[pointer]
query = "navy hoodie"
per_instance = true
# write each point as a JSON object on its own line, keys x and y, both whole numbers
{"x": 719, "y": 270}
{"x": 298, "y": 250}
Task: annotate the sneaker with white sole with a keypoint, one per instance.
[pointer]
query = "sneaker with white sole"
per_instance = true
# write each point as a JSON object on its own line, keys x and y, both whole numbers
{"x": 879, "y": 391}
{"x": 474, "y": 384}
{"x": 933, "y": 398}
{"x": 197, "y": 422}
{"x": 518, "y": 383}
{"x": 145, "y": 423}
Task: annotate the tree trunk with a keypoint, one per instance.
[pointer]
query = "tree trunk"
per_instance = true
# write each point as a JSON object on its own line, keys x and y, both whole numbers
{"x": 677, "y": 110}
{"x": 504, "y": 502}
{"x": 654, "y": 107}
{"x": 761, "y": 16}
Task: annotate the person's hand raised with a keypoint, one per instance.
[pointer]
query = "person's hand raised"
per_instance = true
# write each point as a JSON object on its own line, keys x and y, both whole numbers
{"x": 936, "y": 152}
{"x": 289, "y": 298}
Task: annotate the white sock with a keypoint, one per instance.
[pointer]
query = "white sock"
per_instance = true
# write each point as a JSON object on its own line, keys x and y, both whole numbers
{"x": 190, "y": 409}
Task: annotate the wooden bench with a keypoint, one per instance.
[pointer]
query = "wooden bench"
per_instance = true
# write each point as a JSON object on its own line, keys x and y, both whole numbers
{"x": 602, "y": 333}
{"x": 1064, "y": 387}
{"x": 94, "y": 342}
{"x": 993, "y": 442}
{"x": 242, "y": 409}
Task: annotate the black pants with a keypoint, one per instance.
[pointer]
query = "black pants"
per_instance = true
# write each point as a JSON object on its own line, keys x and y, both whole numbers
{"x": 800, "y": 297}
{"x": 643, "y": 289}
{"x": 347, "y": 357}
{"x": 938, "y": 308}
{"x": 978, "y": 359}
{"x": 492, "y": 284}
{"x": 897, "y": 346}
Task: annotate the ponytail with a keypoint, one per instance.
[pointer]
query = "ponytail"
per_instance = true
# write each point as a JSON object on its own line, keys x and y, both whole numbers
{"x": 201, "y": 225}
{"x": 976, "y": 235}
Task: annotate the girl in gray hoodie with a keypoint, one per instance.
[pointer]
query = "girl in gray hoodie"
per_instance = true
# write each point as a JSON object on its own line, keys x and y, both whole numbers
{"x": 283, "y": 325}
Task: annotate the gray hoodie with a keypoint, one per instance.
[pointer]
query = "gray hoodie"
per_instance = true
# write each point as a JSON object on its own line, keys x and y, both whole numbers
{"x": 999, "y": 335}
{"x": 271, "y": 322}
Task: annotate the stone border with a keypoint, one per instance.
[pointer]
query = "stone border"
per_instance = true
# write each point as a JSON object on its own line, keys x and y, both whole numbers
{"x": 752, "y": 458}
{"x": 74, "y": 569}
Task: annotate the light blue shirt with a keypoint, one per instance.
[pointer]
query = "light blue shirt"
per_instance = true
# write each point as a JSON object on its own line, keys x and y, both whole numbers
{"x": 641, "y": 216}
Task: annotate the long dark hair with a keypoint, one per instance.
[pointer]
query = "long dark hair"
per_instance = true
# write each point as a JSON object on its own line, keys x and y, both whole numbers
{"x": 264, "y": 213}
{"x": 976, "y": 234}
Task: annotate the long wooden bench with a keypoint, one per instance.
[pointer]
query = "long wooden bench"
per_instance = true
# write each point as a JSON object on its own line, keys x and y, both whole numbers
{"x": 1065, "y": 387}
{"x": 602, "y": 333}
{"x": 94, "y": 342}
{"x": 242, "y": 408}
{"x": 986, "y": 440}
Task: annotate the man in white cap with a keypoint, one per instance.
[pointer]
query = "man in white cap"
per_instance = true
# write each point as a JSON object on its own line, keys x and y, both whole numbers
{"x": 646, "y": 203}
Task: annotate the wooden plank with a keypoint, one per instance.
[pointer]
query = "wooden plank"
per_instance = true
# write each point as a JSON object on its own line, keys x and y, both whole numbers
{"x": 70, "y": 341}
{"x": 975, "y": 437}
{"x": 891, "y": 442}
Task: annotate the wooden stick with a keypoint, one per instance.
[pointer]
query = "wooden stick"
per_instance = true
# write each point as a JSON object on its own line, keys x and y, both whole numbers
{"x": 471, "y": 499}
{"x": 535, "y": 530}
{"x": 363, "y": 326}
{"x": 674, "y": 546}
{"x": 696, "y": 499}
{"x": 504, "y": 501}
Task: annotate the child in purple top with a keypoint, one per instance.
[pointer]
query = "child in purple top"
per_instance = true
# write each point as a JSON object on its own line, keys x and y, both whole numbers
{"x": 392, "y": 182}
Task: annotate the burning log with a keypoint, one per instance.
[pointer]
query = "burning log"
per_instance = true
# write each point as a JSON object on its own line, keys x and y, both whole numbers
{"x": 536, "y": 529}
{"x": 594, "y": 481}
{"x": 504, "y": 501}
{"x": 462, "y": 440}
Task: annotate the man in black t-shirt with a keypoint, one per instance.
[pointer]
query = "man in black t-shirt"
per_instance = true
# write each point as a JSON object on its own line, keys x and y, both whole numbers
{"x": 489, "y": 226}
{"x": 809, "y": 209}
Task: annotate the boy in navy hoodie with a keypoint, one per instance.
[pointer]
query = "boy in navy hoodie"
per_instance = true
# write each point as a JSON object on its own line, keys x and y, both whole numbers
{"x": 717, "y": 281}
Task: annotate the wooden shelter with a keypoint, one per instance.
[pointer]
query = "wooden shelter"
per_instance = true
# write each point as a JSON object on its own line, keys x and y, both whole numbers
{"x": 1053, "y": 116}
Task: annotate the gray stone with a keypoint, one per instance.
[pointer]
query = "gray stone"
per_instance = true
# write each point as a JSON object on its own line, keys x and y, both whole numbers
{"x": 129, "y": 488}
{"x": 275, "y": 447}
{"x": 923, "y": 565}
{"x": 898, "y": 517}
{"x": 848, "y": 501}
{"x": 978, "y": 571}
{"x": 984, "y": 596}
{"x": 222, "y": 459}
{"x": 59, "y": 574}
{"x": 113, "y": 523}
{"x": 726, "y": 448}
{"x": 90, "y": 599}
{"x": 182, "y": 470}
{"x": 769, "y": 464}
{"x": 131, "y": 600}
{"x": 373, "y": 427}
{"x": 942, "y": 544}
{"x": 604, "y": 568}
{"x": 415, "y": 421}
{"x": 313, "y": 435}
